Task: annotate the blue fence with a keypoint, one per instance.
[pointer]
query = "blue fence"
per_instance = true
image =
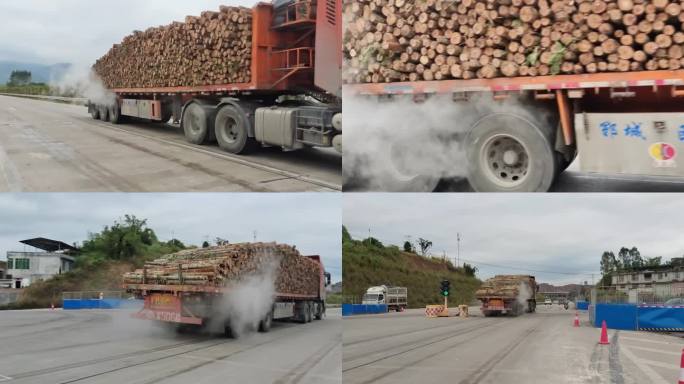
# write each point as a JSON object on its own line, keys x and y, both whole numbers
{"x": 660, "y": 318}
{"x": 73, "y": 304}
{"x": 582, "y": 305}
{"x": 363, "y": 309}
{"x": 617, "y": 316}
{"x": 646, "y": 318}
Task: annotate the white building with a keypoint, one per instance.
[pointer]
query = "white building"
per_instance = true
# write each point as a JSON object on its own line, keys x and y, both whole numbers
{"x": 25, "y": 268}
{"x": 659, "y": 282}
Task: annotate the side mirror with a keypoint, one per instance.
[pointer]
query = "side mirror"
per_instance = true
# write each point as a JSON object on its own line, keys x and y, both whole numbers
{"x": 327, "y": 279}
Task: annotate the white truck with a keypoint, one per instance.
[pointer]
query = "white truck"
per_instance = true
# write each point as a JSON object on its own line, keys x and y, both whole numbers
{"x": 396, "y": 298}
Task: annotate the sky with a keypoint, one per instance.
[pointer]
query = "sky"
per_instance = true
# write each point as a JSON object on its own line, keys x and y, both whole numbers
{"x": 81, "y": 31}
{"x": 559, "y": 238}
{"x": 310, "y": 221}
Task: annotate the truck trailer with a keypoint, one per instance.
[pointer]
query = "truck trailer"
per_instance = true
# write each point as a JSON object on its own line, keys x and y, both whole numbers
{"x": 534, "y": 88}
{"x": 508, "y": 294}
{"x": 292, "y": 100}
{"x": 192, "y": 287}
{"x": 396, "y": 298}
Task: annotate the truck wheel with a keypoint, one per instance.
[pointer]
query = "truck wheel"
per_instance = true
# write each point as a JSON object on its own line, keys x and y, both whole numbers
{"x": 95, "y": 112}
{"x": 115, "y": 114}
{"x": 508, "y": 153}
{"x": 402, "y": 176}
{"x": 265, "y": 324}
{"x": 320, "y": 311}
{"x": 309, "y": 313}
{"x": 232, "y": 131}
{"x": 104, "y": 113}
{"x": 196, "y": 124}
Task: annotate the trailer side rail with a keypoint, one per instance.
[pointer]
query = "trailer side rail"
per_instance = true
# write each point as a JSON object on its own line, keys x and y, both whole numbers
{"x": 539, "y": 83}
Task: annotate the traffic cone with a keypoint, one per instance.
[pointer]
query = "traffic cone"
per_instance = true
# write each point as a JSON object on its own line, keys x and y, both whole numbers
{"x": 576, "y": 322}
{"x": 681, "y": 369}
{"x": 604, "y": 334}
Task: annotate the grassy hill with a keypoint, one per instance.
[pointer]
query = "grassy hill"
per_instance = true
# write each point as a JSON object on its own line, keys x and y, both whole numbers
{"x": 369, "y": 263}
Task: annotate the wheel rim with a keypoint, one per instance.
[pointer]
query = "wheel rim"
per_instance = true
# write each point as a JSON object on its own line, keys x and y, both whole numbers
{"x": 505, "y": 160}
{"x": 230, "y": 133}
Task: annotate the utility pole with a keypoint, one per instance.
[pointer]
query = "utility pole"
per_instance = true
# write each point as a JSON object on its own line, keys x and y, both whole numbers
{"x": 255, "y": 235}
{"x": 458, "y": 249}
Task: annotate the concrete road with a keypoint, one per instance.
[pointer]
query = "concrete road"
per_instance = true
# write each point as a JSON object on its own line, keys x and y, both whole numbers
{"x": 110, "y": 347}
{"x": 52, "y": 147}
{"x": 535, "y": 348}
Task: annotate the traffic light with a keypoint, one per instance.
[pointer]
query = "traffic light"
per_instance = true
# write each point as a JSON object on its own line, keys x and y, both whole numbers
{"x": 445, "y": 288}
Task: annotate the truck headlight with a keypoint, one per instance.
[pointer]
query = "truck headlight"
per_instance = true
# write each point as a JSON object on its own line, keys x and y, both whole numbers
{"x": 337, "y": 122}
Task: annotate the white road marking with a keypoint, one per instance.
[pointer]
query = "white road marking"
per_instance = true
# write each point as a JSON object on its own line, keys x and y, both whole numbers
{"x": 654, "y": 377}
{"x": 648, "y": 340}
{"x": 656, "y": 350}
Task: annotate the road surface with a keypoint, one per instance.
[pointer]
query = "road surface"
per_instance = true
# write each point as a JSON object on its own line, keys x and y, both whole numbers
{"x": 53, "y": 147}
{"x": 110, "y": 347}
{"x": 535, "y": 348}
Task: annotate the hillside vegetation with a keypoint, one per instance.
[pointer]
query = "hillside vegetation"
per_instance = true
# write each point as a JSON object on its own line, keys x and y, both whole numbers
{"x": 103, "y": 259}
{"x": 369, "y": 263}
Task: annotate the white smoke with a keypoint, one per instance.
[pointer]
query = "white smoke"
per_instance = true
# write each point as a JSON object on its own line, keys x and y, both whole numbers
{"x": 524, "y": 294}
{"x": 249, "y": 300}
{"x": 82, "y": 81}
{"x": 400, "y": 139}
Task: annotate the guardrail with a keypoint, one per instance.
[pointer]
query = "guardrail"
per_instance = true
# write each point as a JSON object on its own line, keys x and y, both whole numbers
{"x": 58, "y": 99}
{"x": 363, "y": 309}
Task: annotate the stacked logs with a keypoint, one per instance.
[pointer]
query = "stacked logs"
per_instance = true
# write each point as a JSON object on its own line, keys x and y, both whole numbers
{"x": 402, "y": 40}
{"x": 508, "y": 286}
{"x": 214, "y": 48}
{"x": 226, "y": 265}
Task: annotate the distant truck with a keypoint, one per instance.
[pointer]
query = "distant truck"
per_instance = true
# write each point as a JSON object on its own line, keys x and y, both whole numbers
{"x": 508, "y": 294}
{"x": 292, "y": 101}
{"x": 396, "y": 298}
{"x": 182, "y": 292}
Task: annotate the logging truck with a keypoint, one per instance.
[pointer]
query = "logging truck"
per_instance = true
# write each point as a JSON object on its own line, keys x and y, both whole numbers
{"x": 292, "y": 99}
{"x": 508, "y": 295}
{"x": 532, "y": 85}
{"x": 396, "y": 298}
{"x": 184, "y": 302}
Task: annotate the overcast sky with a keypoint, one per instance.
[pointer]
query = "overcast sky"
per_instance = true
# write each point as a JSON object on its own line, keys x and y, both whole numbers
{"x": 80, "y": 31}
{"x": 312, "y": 222}
{"x": 551, "y": 232}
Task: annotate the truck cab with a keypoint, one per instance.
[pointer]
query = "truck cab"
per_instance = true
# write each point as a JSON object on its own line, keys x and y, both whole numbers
{"x": 375, "y": 295}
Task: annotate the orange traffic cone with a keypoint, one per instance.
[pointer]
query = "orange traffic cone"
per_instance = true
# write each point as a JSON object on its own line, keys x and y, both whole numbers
{"x": 604, "y": 334}
{"x": 681, "y": 369}
{"x": 576, "y": 323}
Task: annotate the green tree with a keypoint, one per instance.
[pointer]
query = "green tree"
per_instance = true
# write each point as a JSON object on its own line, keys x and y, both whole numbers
{"x": 345, "y": 235}
{"x": 122, "y": 241}
{"x": 205, "y": 244}
{"x": 373, "y": 242}
{"x": 654, "y": 262}
{"x": 19, "y": 78}
{"x": 635, "y": 257}
{"x": 625, "y": 258}
{"x": 408, "y": 247}
{"x": 469, "y": 270}
{"x": 424, "y": 245}
{"x": 608, "y": 263}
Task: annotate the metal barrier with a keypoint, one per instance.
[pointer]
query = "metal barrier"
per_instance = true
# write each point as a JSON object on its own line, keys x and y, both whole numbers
{"x": 98, "y": 300}
{"x": 582, "y": 305}
{"x": 363, "y": 309}
{"x": 660, "y": 318}
{"x": 617, "y": 316}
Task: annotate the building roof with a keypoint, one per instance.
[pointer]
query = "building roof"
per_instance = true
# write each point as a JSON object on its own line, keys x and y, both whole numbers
{"x": 49, "y": 245}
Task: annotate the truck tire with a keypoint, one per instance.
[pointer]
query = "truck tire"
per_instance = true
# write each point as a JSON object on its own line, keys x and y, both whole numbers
{"x": 265, "y": 324}
{"x": 320, "y": 311}
{"x": 95, "y": 112}
{"x": 115, "y": 114}
{"x": 104, "y": 113}
{"x": 508, "y": 153}
{"x": 196, "y": 124}
{"x": 232, "y": 131}
{"x": 399, "y": 176}
{"x": 309, "y": 312}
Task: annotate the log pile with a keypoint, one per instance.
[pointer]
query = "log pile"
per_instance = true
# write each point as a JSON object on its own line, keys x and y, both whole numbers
{"x": 402, "y": 40}
{"x": 507, "y": 286}
{"x": 214, "y": 48}
{"x": 223, "y": 266}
